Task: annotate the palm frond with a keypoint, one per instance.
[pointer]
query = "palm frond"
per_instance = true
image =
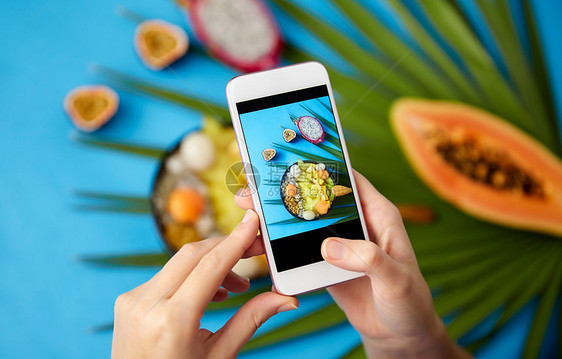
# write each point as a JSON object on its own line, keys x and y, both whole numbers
{"x": 304, "y": 155}
{"x": 542, "y": 315}
{"x": 434, "y": 51}
{"x": 418, "y": 68}
{"x": 346, "y": 86}
{"x": 140, "y": 150}
{"x": 108, "y": 202}
{"x": 190, "y": 101}
{"x": 157, "y": 259}
{"x": 357, "y": 352}
{"x": 463, "y": 297}
{"x": 490, "y": 302}
{"x": 101, "y": 328}
{"x": 538, "y": 62}
{"x": 327, "y": 317}
{"x": 498, "y": 17}
{"x": 526, "y": 293}
{"x": 500, "y": 98}
{"x": 355, "y": 55}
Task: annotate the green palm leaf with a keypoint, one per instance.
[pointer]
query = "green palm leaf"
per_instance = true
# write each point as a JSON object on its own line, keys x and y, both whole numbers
{"x": 518, "y": 301}
{"x": 107, "y": 202}
{"x": 193, "y": 102}
{"x": 304, "y": 155}
{"x": 424, "y": 73}
{"x": 157, "y": 259}
{"x": 539, "y": 66}
{"x": 466, "y": 273}
{"x": 462, "y": 297}
{"x": 500, "y": 98}
{"x": 140, "y": 150}
{"x": 498, "y": 16}
{"x": 431, "y": 48}
{"x": 356, "y": 353}
{"x": 487, "y": 304}
{"x": 355, "y": 55}
{"x": 542, "y": 316}
{"x": 345, "y": 86}
{"x": 325, "y": 318}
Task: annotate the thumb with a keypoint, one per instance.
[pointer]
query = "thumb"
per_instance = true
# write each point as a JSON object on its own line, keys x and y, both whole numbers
{"x": 244, "y": 323}
{"x": 359, "y": 256}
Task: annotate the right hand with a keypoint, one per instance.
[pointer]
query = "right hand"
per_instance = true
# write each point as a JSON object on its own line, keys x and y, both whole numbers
{"x": 391, "y": 307}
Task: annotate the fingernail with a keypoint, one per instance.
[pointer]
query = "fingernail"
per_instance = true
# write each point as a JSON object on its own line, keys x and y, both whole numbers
{"x": 286, "y": 307}
{"x": 248, "y": 216}
{"x": 244, "y": 279}
{"x": 335, "y": 249}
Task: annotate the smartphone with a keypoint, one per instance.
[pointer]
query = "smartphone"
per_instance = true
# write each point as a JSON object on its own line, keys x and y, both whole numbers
{"x": 298, "y": 172}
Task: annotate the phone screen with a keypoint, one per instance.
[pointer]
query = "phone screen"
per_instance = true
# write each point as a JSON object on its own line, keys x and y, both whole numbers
{"x": 300, "y": 174}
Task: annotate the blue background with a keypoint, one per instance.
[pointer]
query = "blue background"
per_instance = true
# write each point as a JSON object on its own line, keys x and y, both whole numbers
{"x": 49, "y": 300}
{"x": 262, "y": 129}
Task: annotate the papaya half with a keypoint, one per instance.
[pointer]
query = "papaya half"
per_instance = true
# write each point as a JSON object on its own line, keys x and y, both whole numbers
{"x": 481, "y": 164}
{"x": 159, "y": 43}
{"x": 90, "y": 107}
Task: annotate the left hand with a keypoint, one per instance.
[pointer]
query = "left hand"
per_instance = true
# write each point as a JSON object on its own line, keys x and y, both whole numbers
{"x": 161, "y": 318}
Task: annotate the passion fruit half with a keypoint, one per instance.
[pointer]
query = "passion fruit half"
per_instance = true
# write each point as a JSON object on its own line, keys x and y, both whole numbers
{"x": 91, "y": 107}
{"x": 160, "y": 43}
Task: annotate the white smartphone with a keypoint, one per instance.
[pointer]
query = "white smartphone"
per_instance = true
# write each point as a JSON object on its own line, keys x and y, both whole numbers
{"x": 298, "y": 172}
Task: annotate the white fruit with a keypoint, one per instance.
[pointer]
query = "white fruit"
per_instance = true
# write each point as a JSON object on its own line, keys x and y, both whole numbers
{"x": 175, "y": 164}
{"x": 197, "y": 151}
{"x": 308, "y": 215}
{"x": 295, "y": 171}
{"x": 320, "y": 167}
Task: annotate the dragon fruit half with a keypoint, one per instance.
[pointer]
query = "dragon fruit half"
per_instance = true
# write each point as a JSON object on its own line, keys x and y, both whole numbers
{"x": 241, "y": 33}
{"x": 310, "y": 128}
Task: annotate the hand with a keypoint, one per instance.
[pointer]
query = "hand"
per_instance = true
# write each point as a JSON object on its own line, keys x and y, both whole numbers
{"x": 161, "y": 318}
{"x": 391, "y": 307}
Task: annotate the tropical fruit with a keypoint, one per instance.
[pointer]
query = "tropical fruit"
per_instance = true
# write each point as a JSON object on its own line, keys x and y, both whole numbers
{"x": 186, "y": 205}
{"x": 90, "y": 107}
{"x": 310, "y": 128}
{"x": 159, "y": 43}
{"x": 289, "y": 135}
{"x": 241, "y": 33}
{"x": 268, "y": 154}
{"x": 481, "y": 164}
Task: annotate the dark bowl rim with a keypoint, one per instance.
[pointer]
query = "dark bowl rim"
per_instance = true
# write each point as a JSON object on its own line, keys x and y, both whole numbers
{"x": 173, "y": 149}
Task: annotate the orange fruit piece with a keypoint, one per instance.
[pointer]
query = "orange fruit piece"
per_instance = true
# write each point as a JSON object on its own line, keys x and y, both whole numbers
{"x": 185, "y": 205}
{"x": 291, "y": 190}
{"x": 322, "y": 207}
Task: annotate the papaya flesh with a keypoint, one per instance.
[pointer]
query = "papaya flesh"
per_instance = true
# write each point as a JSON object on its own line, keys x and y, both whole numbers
{"x": 481, "y": 164}
{"x": 159, "y": 43}
{"x": 90, "y": 107}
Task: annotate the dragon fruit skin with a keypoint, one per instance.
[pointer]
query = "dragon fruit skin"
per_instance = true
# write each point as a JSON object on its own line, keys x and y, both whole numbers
{"x": 310, "y": 128}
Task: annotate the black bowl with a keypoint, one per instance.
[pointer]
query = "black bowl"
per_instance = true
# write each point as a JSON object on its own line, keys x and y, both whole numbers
{"x": 282, "y": 191}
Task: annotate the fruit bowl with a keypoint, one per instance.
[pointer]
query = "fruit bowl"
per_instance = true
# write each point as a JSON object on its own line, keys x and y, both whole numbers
{"x": 190, "y": 200}
{"x": 305, "y": 190}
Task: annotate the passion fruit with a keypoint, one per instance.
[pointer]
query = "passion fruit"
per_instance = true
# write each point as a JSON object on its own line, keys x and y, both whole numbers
{"x": 91, "y": 107}
{"x": 160, "y": 43}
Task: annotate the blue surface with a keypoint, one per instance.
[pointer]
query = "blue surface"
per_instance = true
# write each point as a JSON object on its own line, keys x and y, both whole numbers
{"x": 261, "y": 130}
{"x": 48, "y": 300}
